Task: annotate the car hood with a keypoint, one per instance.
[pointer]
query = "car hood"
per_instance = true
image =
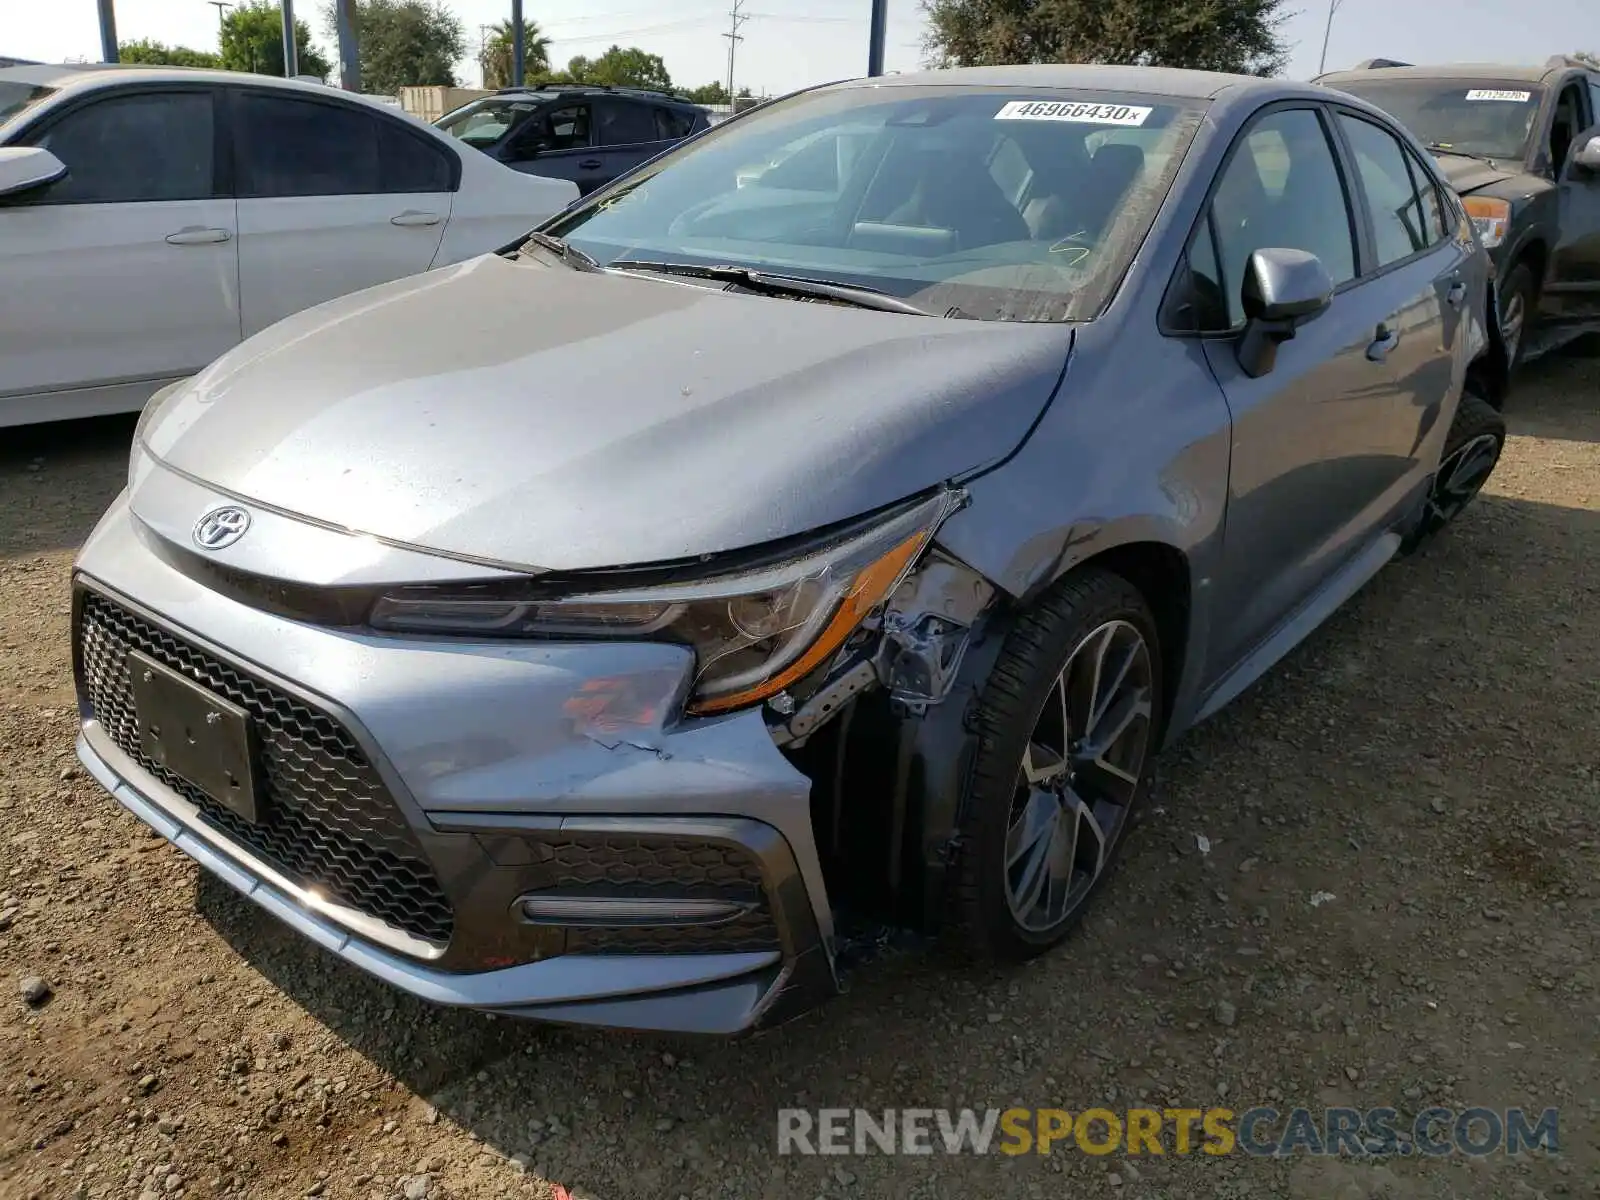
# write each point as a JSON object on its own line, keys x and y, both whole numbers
{"x": 1470, "y": 174}
{"x": 537, "y": 417}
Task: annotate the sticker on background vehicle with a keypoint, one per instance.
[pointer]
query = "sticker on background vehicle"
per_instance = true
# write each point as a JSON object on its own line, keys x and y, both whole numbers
{"x": 1491, "y": 94}
{"x": 1081, "y": 113}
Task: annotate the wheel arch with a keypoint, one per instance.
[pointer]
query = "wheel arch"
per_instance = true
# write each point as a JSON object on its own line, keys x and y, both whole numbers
{"x": 1535, "y": 252}
{"x": 1489, "y": 373}
{"x": 901, "y": 778}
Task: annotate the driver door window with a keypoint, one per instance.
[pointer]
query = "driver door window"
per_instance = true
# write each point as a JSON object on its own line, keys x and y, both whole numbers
{"x": 1280, "y": 189}
{"x": 564, "y": 128}
{"x": 1566, "y": 125}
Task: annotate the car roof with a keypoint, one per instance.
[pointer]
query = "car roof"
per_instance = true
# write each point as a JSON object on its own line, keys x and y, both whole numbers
{"x": 1508, "y": 71}
{"x": 554, "y": 91}
{"x": 93, "y": 75}
{"x": 1159, "y": 81}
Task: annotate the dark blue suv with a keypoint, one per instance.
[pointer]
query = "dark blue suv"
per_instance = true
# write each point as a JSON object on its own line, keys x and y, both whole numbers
{"x": 588, "y": 134}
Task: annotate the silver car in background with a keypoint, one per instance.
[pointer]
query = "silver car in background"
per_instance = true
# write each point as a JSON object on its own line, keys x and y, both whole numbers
{"x": 827, "y": 523}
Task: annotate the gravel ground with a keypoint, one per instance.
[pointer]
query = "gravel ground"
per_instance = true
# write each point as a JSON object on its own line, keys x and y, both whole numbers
{"x": 1428, "y": 758}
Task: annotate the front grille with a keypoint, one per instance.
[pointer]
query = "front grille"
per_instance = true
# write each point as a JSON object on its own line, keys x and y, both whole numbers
{"x": 327, "y": 820}
{"x": 643, "y": 865}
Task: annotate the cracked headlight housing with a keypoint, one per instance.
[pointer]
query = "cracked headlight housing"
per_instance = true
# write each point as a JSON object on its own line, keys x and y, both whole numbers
{"x": 753, "y": 632}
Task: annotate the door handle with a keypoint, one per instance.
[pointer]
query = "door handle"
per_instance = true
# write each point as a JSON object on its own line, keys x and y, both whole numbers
{"x": 198, "y": 235}
{"x": 590, "y": 164}
{"x": 412, "y": 217}
{"x": 1384, "y": 340}
{"x": 1456, "y": 295}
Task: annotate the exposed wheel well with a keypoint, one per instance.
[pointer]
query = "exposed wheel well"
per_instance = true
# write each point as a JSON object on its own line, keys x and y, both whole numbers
{"x": 1161, "y": 573}
{"x": 1535, "y": 254}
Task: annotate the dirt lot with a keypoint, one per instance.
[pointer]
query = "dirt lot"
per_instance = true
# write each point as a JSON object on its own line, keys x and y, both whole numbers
{"x": 1429, "y": 759}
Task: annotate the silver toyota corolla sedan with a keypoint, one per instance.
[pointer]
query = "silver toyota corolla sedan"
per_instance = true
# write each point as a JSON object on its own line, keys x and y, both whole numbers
{"x": 821, "y": 527}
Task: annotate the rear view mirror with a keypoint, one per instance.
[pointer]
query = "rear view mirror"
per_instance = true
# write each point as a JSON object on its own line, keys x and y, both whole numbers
{"x": 23, "y": 168}
{"x": 1587, "y": 154}
{"x": 1282, "y": 290}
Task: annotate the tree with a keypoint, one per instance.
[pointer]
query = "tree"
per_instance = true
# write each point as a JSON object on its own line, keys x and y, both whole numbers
{"x": 404, "y": 42}
{"x": 619, "y": 67}
{"x": 495, "y": 58}
{"x": 711, "y": 93}
{"x": 1212, "y": 35}
{"x": 162, "y": 55}
{"x": 252, "y": 40}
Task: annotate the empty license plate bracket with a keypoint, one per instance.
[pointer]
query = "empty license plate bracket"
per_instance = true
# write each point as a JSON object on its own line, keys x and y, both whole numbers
{"x": 196, "y": 734}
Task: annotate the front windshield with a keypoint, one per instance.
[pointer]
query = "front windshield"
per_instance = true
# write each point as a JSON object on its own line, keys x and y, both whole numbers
{"x": 14, "y": 97}
{"x": 1469, "y": 117}
{"x": 484, "y": 122}
{"x": 1005, "y": 205}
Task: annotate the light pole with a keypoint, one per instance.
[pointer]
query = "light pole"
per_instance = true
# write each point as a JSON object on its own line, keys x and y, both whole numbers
{"x": 1333, "y": 7}
{"x": 220, "y": 6}
{"x": 108, "y": 32}
{"x": 291, "y": 56}
{"x": 519, "y": 48}
{"x": 875, "y": 39}
{"x": 344, "y": 15}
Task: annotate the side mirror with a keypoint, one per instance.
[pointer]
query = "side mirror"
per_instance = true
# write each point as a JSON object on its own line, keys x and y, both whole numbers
{"x": 23, "y": 168}
{"x": 1282, "y": 290}
{"x": 1587, "y": 152}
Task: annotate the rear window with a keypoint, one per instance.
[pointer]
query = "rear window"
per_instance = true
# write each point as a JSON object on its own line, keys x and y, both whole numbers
{"x": 1483, "y": 117}
{"x": 17, "y": 97}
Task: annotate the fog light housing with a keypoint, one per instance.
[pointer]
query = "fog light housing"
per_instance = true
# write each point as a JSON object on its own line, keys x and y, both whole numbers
{"x": 616, "y": 911}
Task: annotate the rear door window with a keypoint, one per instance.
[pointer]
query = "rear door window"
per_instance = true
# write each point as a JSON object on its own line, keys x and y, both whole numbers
{"x": 623, "y": 123}
{"x": 293, "y": 147}
{"x": 1398, "y": 226}
{"x": 673, "y": 123}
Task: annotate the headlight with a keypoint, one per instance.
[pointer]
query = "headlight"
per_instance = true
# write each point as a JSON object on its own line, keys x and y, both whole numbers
{"x": 1491, "y": 218}
{"x": 151, "y": 406}
{"x": 753, "y": 633}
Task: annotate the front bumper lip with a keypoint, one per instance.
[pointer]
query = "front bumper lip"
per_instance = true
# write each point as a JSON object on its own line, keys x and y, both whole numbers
{"x": 712, "y": 993}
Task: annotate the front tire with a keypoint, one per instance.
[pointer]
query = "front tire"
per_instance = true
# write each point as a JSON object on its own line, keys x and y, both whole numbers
{"x": 1519, "y": 297}
{"x": 1068, "y": 722}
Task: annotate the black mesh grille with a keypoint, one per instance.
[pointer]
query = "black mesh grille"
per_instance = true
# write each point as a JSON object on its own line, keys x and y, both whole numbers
{"x": 327, "y": 820}
{"x": 640, "y": 865}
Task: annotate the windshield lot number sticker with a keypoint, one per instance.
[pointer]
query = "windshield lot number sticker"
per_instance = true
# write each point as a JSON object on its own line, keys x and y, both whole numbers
{"x": 1491, "y": 94}
{"x": 1080, "y": 113}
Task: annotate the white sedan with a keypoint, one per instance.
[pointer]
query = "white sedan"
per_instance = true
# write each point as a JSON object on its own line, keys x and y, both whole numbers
{"x": 152, "y": 217}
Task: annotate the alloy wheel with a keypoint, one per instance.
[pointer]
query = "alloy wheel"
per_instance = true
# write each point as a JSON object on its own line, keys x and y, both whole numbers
{"x": 1079, "y": 775}
{"x": 1512, "y": 321}
{"x": 1463, "y": 473}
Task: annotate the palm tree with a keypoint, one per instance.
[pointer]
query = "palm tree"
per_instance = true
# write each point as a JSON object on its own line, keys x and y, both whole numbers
{"x": 495, "y": 58}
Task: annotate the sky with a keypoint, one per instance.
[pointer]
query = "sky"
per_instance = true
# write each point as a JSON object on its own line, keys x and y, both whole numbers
{"x": 791, "y": 43}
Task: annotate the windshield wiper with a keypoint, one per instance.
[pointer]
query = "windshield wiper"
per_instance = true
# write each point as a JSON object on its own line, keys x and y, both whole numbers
{"x": 565, "y": 251}
{"x": 1442, "y": 148}
{"x": 786, "y": 285}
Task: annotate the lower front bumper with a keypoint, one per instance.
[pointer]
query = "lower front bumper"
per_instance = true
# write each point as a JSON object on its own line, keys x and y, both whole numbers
{"x": 420, "y": 799}
{"x": 683, "y": 993}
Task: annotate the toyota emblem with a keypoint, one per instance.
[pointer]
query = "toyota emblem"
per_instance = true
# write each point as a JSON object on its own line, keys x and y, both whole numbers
{"x": 221, "y": 527}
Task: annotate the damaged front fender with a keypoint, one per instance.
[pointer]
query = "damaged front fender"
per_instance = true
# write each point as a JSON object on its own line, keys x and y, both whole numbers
{"x": 887, "y": 741}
